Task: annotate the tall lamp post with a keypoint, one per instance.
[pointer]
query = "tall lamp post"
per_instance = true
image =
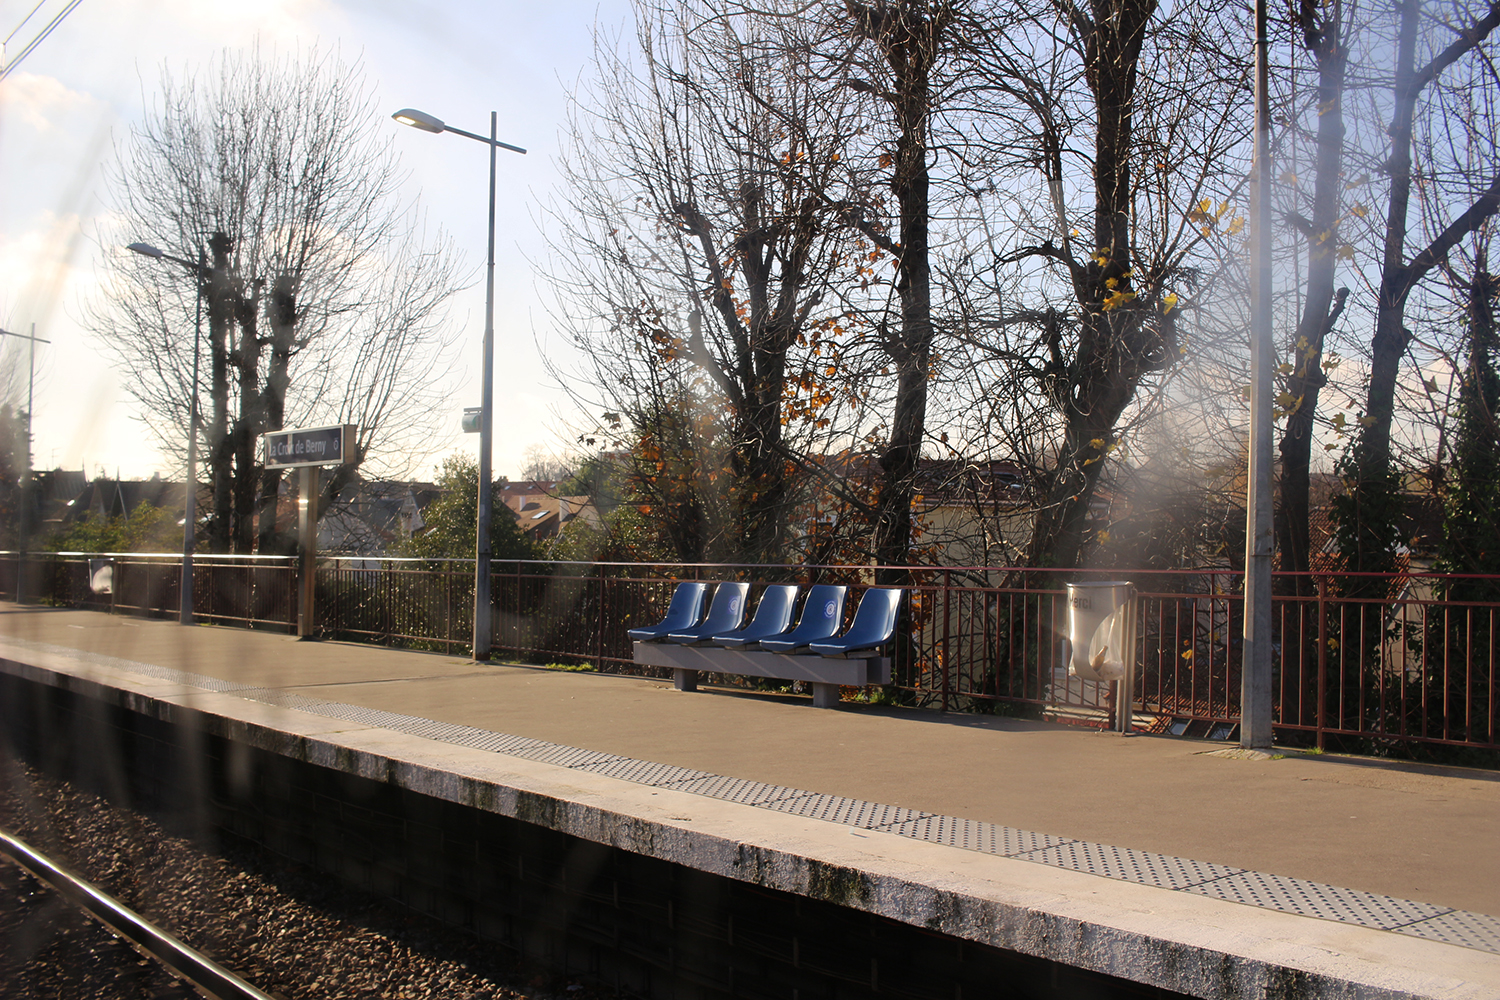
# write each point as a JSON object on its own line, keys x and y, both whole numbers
{"x": 427, "y": 123}
{"x": 190, "y": 504}
{"x": 1256, "y": 663}
{"x": 24, "y": 538}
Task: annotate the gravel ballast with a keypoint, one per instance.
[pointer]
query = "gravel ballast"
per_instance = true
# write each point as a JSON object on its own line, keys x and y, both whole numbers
{"x": 287, "y": 929}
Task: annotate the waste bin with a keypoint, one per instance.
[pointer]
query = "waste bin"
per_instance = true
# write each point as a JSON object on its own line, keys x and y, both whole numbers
{"x": 102, "y": 576}
{"x": 1101, "y": 639}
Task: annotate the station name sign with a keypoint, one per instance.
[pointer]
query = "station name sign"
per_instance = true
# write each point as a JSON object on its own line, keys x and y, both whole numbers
{"x": 309, "y": 446}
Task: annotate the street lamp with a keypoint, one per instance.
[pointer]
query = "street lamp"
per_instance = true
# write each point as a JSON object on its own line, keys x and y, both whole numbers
{"x": 427, "y": 123}
{"x": 1256, "y": 664}
{"x": 26, "y": 486}
{"x": 190, "y": 511}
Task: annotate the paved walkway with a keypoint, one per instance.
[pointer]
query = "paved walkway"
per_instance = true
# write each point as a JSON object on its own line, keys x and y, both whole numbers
{"x": 1319, "y": 835}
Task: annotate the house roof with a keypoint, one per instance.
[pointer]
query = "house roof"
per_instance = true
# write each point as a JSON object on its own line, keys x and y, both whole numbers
{"x": 542, "y": 515}
{"x": 105, "y": 497}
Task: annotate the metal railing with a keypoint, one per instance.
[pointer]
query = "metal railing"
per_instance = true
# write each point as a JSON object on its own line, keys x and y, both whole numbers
{"x": 1379, "y": 664}
{"x": 247, "y": 591}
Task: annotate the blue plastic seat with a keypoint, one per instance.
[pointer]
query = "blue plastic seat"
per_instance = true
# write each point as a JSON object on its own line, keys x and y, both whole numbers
{"x": 873, "y": 626}
{"x": 725, "y": 613}
{"x": 685, "y": 611}
{"x": 822, "y": 614}
{"x": 773, "y": 616}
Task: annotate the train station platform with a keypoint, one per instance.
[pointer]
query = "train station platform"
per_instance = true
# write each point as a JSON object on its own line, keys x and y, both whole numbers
{"x": 1150, "y": 858}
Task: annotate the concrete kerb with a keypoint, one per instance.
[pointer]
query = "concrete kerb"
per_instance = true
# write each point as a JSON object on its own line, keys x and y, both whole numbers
{"x": 1194, "y": 945}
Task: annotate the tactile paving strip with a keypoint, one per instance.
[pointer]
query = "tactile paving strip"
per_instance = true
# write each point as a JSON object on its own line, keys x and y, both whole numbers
{"x": 642, "y": 772}
{"x": 1160, "y": 870}
{"x": 741, "y": 790}
{"x": 1470, "y": 930}
{"x": 1313, "y": 899}
{"x": 976, "y": 835}
{"x": 574, "y": 757}
{"x": 845, "y": 811}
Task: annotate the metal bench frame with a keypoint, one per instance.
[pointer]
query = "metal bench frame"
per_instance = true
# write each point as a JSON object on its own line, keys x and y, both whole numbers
{"x": 824, "y": 673}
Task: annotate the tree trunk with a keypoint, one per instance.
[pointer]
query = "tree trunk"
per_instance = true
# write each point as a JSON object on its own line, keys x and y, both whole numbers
{"x": 282, "y": 318}
{"x": 221, "y": 312}
{"x": 909, "y": 36}
{"x": 247, "y": 428}
{"x": 1322, "y": 307}
{"x": 1471, "y": 527}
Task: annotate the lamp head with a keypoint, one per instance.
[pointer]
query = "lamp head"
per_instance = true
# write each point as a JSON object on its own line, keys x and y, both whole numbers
{"x": 418, "y": 119}
{"x": 144, "y": 249}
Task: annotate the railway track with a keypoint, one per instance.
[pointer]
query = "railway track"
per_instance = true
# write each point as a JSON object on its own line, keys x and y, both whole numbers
{"x": 187, "y": 964}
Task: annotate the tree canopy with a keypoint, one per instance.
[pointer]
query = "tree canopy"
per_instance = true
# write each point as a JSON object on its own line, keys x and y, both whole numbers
{"x": 450, "y": 520}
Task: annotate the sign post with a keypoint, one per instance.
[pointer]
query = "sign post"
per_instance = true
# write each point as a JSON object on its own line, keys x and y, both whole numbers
{"x": 307, "y": 449}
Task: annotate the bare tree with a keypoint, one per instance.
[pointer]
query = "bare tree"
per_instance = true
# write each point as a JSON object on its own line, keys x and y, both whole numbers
{"x": 545, "y": 465}
{"x": 1105, "y": 159}
{"x": 702, "y": 268}
{"x": 324, "y": 301}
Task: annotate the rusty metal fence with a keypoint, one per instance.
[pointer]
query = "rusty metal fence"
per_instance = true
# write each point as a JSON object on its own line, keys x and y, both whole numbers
{"x": 1380, "y": 664}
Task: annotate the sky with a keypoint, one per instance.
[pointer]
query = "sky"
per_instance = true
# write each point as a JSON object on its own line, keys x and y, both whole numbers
{"x": 77, "y": 94}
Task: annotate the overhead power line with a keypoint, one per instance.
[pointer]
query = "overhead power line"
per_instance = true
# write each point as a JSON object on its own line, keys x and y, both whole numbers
{"x": 28, "y": 17}
{"x": 52, "y": 24}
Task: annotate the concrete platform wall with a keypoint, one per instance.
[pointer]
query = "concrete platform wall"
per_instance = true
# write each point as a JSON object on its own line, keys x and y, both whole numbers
{"x": 651, "y": 927}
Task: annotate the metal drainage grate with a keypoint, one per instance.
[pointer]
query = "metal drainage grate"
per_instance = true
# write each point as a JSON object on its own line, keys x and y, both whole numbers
{"x": 1470, "y": 930}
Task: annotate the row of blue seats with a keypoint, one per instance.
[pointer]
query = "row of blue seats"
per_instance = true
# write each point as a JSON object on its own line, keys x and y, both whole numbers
{"x": 771, "y": 629}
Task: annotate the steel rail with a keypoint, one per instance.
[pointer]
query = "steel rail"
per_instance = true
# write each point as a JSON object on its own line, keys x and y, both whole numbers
{"x": 198, "y": 969}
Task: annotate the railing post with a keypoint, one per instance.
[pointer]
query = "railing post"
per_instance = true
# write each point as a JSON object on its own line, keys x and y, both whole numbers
{"x": 1322, "y": 656}
{"x": 947, "y": 617}
{"x": 307, "y": 543}
{"x": 600, "y": 619}
{"x": 383, "y": 597}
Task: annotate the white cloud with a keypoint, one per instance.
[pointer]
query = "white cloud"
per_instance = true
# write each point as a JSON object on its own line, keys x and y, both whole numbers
{"x": 37, "y": 266}
{"x": 39, "y": 100}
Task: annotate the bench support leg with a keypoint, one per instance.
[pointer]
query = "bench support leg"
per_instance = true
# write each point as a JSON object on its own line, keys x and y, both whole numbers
{"x": 825, "y": 695}
{"x": 684, "y": 679}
